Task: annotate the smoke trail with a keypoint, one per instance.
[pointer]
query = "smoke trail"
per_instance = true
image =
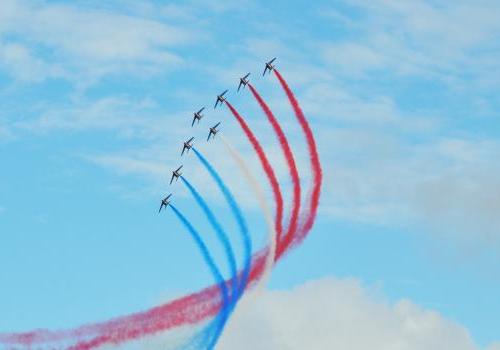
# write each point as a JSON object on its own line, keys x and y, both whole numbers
{"x": 247, "y": 244}
{"x": 292, "y": 168}
{"x": 190, "y": 309}
{"x": 221, "y": 234}
{"x": 278, "y": 197}
{"x": 237, "y": 214}
{"x": 213, "y": 268}
{"x": 259, "y": 192}
{"x": 223, "y": 238}
{"x": 315, "y": 165}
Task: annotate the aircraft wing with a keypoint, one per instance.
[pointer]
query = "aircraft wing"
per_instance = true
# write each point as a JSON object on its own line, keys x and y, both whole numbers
{"x": 239, "y": 86}
{"x": 201, "y": 110}
{"x": 172, "y": 179}
{"x": 216, "y": 125}
{"x": 194, "y": 119}
{"x": 191, "y": 139}
{"x": 265, "y": 70}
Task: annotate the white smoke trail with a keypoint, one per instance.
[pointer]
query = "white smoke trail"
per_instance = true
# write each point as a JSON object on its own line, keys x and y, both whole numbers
{"x": 259, "y": 192}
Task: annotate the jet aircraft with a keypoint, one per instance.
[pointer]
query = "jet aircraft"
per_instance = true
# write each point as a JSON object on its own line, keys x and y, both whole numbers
{"x": 165, "y": 202}
{"x": 220, "y": 99}
{"x": 213, "y": 131}
{"x": 243, "y": 81}
{"x": 197, "y": 116}
{"x": 187, "y": 145}
{"x": 175, "y": 174}
{"x": 269, "y": 67}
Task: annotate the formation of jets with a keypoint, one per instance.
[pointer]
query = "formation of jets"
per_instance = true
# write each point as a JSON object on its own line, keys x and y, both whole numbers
{"x": 197, "y": 116}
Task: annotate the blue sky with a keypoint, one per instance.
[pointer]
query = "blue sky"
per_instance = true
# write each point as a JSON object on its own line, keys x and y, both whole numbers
{"x": 96, "y": 99}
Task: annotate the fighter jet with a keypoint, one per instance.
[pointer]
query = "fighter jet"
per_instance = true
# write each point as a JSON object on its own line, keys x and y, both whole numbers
{"x": 176, "y": 174}
{"x": 213, "y": 131}
{"x": 243, "y": 81}
{"x": 269, "y": 66}
{"x": 187, "y": 145}
{"x": 197, "y": 116}
{"x": 220, "y": 99}
{"x": 165, "y": 202}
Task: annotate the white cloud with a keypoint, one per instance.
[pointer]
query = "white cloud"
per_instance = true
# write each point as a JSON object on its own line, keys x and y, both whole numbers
{"x": 102, "y": 36}
{"x": 458, "y": 25}
{"x": 129, "y": 116}
{"x": 495, "y": 346}
{"x": 129, "y": 165}
{"x": 462, "y": 196}
{"x": 448, "y": 41}
{"x": 447, "y": 185}
{"x": 352, "y": 57}
{"x": 339, "y": 314}
{"x": 84, "y": 43}
{"x": 20, "y": 62}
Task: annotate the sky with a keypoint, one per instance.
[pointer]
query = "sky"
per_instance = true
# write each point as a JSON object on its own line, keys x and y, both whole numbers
{"x": 97, "y": 97}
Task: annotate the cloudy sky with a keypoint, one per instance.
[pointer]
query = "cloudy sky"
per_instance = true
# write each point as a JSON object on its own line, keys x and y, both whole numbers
{"x": 97, "y": 96}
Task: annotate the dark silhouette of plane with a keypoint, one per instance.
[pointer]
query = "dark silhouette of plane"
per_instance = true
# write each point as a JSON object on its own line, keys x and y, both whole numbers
{"x": 197, "y": 116}
{"x": 243, "y": 81}
{"x": 269, "y": 67}
{"x": 220, "y": 99}
{"x": 176, "y": 174}
{"x": 213, "y": 131}
{"x": 187, "y": 145}
{"x": 165, "y": 202}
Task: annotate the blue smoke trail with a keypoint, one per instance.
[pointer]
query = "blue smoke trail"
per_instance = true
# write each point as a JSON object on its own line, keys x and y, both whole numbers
{"x": 221, "y": 234}
{"x": 240, "y": 220}
{"x": 223, "y": 238}
{"x": 215, "y": 272}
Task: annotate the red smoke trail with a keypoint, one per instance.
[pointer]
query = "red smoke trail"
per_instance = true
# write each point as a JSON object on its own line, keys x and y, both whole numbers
{"x": 278, "y": 197}
{"x": 169, "y": 316}
{"x": 292, "y": 168}
{"x": 187, "y": 310}
{"x": 190, "y": 309}
{"x": 315, "y": 165}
